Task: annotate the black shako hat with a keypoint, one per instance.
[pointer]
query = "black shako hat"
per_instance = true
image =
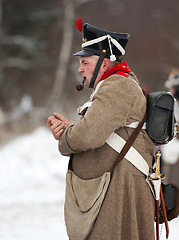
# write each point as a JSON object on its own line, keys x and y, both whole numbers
{"x": 96, "y": 40}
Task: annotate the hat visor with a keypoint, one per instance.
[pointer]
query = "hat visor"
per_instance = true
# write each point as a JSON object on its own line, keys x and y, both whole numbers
{"x": 87, "y": 53}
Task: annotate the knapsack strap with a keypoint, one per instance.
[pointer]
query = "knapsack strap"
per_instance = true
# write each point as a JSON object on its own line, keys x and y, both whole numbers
{"x": 129, "y": 142}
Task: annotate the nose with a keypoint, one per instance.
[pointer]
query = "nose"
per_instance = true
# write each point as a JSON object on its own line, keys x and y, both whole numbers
{"x": 80, "y": 70}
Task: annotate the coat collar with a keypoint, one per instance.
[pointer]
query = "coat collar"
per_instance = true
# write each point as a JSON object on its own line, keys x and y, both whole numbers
{"x": 120, "y": 69}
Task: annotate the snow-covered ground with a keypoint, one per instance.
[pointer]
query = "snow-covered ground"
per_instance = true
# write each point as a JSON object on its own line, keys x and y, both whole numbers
{"x": 32, "y": 189}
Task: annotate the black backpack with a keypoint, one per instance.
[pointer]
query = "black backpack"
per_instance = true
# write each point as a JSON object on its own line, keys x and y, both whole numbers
{"x": 160, "y": 124}
{"x": 160, "y": 117}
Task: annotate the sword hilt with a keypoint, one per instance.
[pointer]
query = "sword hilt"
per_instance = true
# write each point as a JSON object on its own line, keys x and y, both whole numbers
{"x": 157, "y": 174}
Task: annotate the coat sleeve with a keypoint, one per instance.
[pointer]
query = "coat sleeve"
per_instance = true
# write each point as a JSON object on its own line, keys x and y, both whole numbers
{"x": 110, "y": 110}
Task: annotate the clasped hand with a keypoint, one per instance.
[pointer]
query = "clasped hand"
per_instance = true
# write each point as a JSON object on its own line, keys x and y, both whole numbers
{"x": 57, "y": 123}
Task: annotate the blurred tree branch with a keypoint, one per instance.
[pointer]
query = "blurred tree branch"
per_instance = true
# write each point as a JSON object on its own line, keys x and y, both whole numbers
{"x": 64, "y": 55}
{"x": 24, "y": 64}
{"x": 31, "y": 45}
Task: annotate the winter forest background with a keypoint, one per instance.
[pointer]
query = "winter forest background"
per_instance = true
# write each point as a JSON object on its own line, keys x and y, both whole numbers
{"x": 38, "y": 75}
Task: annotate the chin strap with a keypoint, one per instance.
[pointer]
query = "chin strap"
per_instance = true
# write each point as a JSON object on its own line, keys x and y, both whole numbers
{"x": 98, "y": 65}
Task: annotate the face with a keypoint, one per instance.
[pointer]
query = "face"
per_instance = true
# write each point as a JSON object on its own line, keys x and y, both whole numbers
{"x": 87, "y": 66}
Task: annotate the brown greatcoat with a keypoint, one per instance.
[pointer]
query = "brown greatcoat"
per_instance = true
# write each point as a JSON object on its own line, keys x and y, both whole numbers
{"x": 127, "y": 212}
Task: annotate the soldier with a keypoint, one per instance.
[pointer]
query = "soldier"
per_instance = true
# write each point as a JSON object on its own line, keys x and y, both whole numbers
{"x": 170, "y": 152}
{"x": 105, "y": 202}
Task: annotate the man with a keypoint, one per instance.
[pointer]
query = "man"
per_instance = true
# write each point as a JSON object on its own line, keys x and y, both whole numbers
{"x": 170, "y": 151}
{"x": 117, "y": 102}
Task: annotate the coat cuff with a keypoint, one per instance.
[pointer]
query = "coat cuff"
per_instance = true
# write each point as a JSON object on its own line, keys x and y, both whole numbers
{"x": 63, "y": 145}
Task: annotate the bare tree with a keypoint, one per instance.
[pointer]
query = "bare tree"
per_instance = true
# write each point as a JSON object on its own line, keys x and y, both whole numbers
{"x": 64, "y": 54}
{"x": 56, "y": 95}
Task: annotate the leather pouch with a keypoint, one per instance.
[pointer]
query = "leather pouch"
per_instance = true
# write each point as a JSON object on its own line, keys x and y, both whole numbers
{"x": 160, "y": 117}
{"x": 171, "y": 198}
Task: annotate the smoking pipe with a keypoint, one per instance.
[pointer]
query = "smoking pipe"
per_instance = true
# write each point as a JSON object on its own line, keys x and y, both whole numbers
{"x": 80, "y": 86}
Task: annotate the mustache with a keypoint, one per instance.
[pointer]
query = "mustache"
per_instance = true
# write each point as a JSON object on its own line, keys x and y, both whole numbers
{"x": 80, "y": 86}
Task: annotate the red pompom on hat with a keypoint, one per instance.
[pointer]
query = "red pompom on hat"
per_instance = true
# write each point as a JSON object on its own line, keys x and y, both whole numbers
{"x": 79, "y": 24}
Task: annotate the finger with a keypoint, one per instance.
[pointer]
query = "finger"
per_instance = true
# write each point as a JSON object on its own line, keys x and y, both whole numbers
{"x": 59, "y": 116}
{"x": 49, "y": 123}
{"x": 57, "y": 124}
{"x": 57, "y": 129}
{"x": 54, "y": 120}
{"x": 57, "y": 135}
{"x": 63, "y": 119}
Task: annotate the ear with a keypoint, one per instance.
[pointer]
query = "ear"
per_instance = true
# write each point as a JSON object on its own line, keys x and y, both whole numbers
{"x": 106, "y": 64}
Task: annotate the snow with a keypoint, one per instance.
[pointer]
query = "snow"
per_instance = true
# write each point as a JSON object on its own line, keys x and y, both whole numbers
{"x": 170, "y": 151}
{"x": 32, "y": 189}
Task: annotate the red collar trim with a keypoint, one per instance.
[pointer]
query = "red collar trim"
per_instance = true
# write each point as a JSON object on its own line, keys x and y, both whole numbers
{"x": 120, "y": 69}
